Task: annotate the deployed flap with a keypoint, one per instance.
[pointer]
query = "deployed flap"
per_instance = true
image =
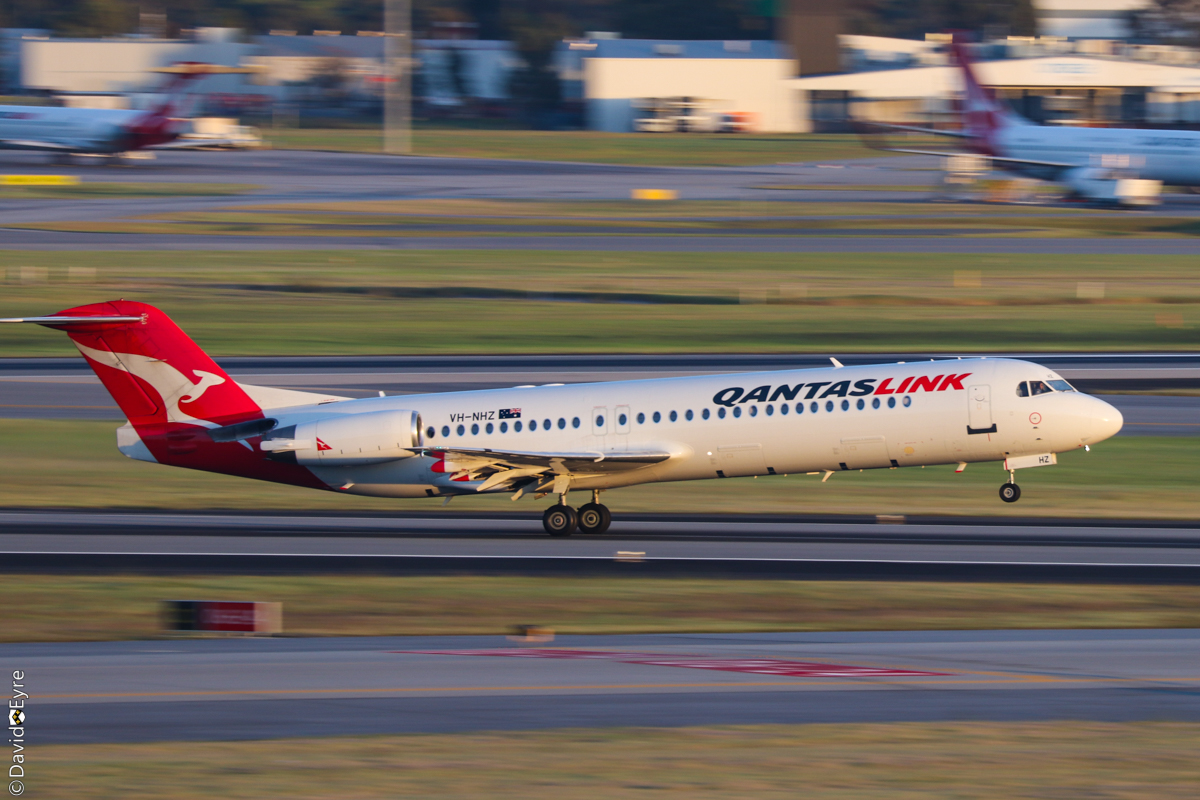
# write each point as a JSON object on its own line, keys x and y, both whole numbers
{"x": 582, "y": 462}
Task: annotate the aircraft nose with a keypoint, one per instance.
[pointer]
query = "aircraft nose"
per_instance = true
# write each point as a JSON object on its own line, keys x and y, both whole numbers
{"x": 1103, "y": 421}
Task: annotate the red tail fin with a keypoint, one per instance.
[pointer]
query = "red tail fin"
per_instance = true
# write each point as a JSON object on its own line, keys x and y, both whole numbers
{"x": 154, "y": 371}
{"x": 982, "y": 115}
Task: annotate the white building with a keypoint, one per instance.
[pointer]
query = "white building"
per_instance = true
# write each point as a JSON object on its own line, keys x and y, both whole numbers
{"x": 1057, "y": 89}
{"x": 747, "y": 79}
{"x": 1086, "y": 19}
{"x": 124, "y": 65}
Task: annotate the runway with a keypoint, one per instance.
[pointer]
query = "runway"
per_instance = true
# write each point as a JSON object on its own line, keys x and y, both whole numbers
{"x": 313, "y": 177}
{"x": 115, "y": 692}
{"x": 65, "y": 388}
{"x": 637, "y": 545}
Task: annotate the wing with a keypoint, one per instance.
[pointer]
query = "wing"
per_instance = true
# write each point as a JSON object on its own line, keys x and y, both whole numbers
{"x": 29, "y": 144}
{"x": 865, "y": 126}
{"x": 1032, "y": 162}
{"x": 502, "y": 469}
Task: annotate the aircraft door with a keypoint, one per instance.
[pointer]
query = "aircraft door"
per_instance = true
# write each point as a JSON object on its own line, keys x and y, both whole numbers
{"x": 600, "y": 424}
{"x": 621, "y": 420}
{"x": 979, "y": 411}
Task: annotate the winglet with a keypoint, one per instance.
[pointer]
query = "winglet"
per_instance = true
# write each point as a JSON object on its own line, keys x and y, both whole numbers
{"x": 837, "y": 364}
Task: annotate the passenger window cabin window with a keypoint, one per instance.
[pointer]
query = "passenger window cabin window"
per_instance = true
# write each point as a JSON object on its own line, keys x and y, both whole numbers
{"x": 599, "y": 421}
{"x": 622, "y": 420}
{"x": 737, "y": 412}
{"x": 445, "y": 430}
{"x": 783, "y": 409}
{"x": 721, "y": 413}
{"x": 814, "y": 406}
{"x": 674, "y": 416}
{"x": 875, "y": 403}
{"x": 562, "y": 424}
{"x": 907, "y": 401}
{"x": 845, "y": 405}
{"x": 1022, "y": 389}
{"x": 657, "y": 417}
{"x": 489, "y": 428}
{"x": 770, "y": 410}
{"x": 754, "y": 411}
{"x": 533, "y": 424}
{"x": 517, "y": 426}
{"x": 829, "y": 405}
{"x": 861, "y": 404}
{"x": 475, "y": 429}
{"x": 705, "y": 413}
{"x": 641, "y": 418}
{"x": 504, "y": 427}
{"x": 575, "y": 422}
{"x": 891, "y": 402}
{"x": 546, "y": 424}
{"x": 461, "y": 430}
{"x": 429, "y": 432}
{"x": 688, "y": 415}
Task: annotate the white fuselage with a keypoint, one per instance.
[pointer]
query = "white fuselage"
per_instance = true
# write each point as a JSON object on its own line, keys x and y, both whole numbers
{"x": 764, "y": 423}
{"x": 1172, "y": 157}
{"x": 74, "y": 130}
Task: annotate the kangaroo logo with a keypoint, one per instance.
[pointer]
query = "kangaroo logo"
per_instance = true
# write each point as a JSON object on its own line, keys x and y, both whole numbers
{"x": 207, "y": 380}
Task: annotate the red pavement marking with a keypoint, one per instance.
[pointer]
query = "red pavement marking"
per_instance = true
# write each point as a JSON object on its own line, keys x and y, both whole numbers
{"x": 756, "y": 666}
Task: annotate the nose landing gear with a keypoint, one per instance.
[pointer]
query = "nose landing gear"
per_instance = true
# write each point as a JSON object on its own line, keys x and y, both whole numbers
{"x": 1010, "y": 492}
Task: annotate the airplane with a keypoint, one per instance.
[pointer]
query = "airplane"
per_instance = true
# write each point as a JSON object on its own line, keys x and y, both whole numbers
{"x": 183, "y": 410}
{"x": 100, "y": 131}
{"x": 1108, "y": 165}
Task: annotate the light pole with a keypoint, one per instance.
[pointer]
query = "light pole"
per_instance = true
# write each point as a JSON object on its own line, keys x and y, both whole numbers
{"x": 397, "y": 92}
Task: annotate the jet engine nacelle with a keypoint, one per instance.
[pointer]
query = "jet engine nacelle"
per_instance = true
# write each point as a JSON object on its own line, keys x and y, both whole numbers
{"x": 1110, "y": 186}
{"x": 368, "y": 438}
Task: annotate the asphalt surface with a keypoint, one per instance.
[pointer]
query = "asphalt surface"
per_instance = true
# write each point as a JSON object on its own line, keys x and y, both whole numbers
{"x": 65, "y": 388}
{"x": 636, "y": 545}
{"x": 295, "y": 176}
{"x": 114, "y": 692}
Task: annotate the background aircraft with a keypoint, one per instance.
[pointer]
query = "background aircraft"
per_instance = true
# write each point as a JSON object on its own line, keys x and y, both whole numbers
{"x": 110, "y": 132}
{"x": 183, "y": 410}
{"x": 1117, "y": 165}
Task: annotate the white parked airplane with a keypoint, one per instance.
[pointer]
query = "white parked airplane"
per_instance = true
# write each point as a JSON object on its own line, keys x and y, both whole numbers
{"x": 99, "y": 131}
{"x": 1104, "y": 164}
{"x": 184, "y": 411}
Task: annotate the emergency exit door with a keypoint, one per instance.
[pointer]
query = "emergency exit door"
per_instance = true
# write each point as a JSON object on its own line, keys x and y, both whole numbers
{"x": 979, "y": 412}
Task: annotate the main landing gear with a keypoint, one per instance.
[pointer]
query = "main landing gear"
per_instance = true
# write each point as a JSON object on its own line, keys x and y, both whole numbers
{"x": 562, "y": 520}
{"x": 1010, "y": 492}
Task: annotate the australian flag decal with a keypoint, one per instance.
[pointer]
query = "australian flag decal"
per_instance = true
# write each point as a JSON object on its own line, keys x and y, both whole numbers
{"x": 510, "y": 413}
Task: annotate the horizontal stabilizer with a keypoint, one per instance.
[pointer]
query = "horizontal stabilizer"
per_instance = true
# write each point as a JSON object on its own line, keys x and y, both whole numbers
{"x": 92, "y": 320}
{"x": 268, "y": 397}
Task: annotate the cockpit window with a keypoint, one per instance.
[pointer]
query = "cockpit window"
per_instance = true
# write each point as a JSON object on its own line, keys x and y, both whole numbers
{"x": 1039, "y": 387}
{"x": 1022, "y": 389}
{"x": 1061, "y": 386}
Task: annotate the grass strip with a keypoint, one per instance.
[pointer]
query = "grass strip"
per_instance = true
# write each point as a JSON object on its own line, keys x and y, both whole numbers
{"x": 71, "y": 464}
{"x": 854, "y": 302}
{"x": 897, "y": 761}
{"x": 49, "y": 608}
{"x": 101, "y": 189}
{"x": 659, "y": 149}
